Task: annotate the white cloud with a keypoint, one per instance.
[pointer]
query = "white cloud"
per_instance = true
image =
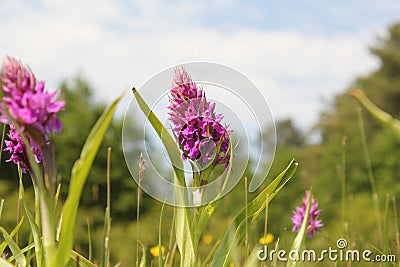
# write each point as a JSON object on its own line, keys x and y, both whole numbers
{"x": 116, "y": 47}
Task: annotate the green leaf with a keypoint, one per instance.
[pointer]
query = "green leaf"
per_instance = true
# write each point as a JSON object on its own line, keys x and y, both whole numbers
{"x": 79, "y": 174}
{"x": 24, "y": 250}
{"x": 57, "y": 196}
{"x": 167, "y": 140}
{"x": 375, "y": 111}
{"x": 12, "y": 234}
{"x": 298, "y": 241}
{"x": 4, "y": 263}
{"x": 143, "y": 258}
{"x": 207, "y": 211}
{"x": 16, "y": 251}
{"x": 183, "y": 225}
{"x": 79, "y": 260}
{"x": 35, "y": 230}
{"x": 254, "y": 209}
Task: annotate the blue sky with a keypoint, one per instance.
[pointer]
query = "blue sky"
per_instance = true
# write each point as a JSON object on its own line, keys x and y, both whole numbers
{"x": 299, "y": 53}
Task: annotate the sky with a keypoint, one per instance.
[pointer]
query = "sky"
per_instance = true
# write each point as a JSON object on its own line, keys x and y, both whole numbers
{"x": 300, "y": 54}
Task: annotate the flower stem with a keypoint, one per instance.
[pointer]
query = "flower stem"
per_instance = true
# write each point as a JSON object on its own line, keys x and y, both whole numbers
{"x": 49, "y": 166}
{"x": 371, "y": 177}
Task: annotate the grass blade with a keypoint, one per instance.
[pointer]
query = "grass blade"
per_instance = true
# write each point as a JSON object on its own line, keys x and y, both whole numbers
{"x": 371, "y": 177}
{"x": 211, "y": 253}
{"x": 254, "y": 209}
{"x": 79, "y": 260}
{"x": 143, "y": 259}
{"x": 89, "y": 240}
{"x": 275, "y": 260}
{"x": 16, "y": 251}
{"x": 105, "y": 259}
{"x": 35, "y": 230}
{"x": 79, "y": 174}
{"x": 386, "y": 240}
{"x": 24, "y": 250}
{"x": 12, "y": 234}
{"x": 57, "y": 196}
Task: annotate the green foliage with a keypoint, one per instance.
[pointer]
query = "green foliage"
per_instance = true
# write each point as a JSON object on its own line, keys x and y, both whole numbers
{"x": 80, "y": 115}
{"x": 18, "y": 254}
{"x": 79, "y": 175}
{"x": 321, "y": 166}
{"x": 253, "y": 210}
{"x": 321, "y": 161}
{"x": 183, "y": 226}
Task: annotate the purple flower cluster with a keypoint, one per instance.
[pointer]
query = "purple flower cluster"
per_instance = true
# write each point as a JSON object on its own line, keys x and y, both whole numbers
{"x": 16, "y": 147}
{"x": 197, "y": 127}
{"x": 313, "y": 222}
{"x": 33, "y": 108}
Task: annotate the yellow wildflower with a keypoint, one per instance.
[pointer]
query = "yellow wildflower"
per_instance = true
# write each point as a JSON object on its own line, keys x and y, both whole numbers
{"x": 207, "y": 239}
{"x": 265, "y": 240}
{"x": 155, "y": 251}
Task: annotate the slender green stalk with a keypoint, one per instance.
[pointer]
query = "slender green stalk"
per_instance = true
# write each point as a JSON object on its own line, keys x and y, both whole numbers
{"x": 375, "y": 111}
{"x": 171, "y": 256}
{"x": 396, "y": 225}
{"x": 266, "y": 220}
{"x": 275, "y": 260}
{"x": 2, "y": 140}
{"x": 142, "y": 164}
{"x": 246, "y": 238}
{"x": 343, "y": 185}
{"x": 137, "y": 225}
{"x": 160, "y": 252}
{"x": 386, "y": 230}
{"x": 109, "y": 178}
{"x": 108, "y": 212}
{"x": 211, "y": 253}
{"x": 89, "y": 240}
{"x": 1, "y": 207}
{"x": 171, "y": 249}
{"x": 57, "y": 197}
{"x": 105, "y": 254}
{"x": 18, "y": 210}
{"x": 49, "y": 167}
{"x": 371, "y": 177}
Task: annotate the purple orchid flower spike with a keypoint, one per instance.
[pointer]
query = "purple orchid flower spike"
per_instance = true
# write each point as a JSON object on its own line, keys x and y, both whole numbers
{"x": 31, "y": 107}
{"x": 197, "y": 126}
{"x": 314, "y": 224}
